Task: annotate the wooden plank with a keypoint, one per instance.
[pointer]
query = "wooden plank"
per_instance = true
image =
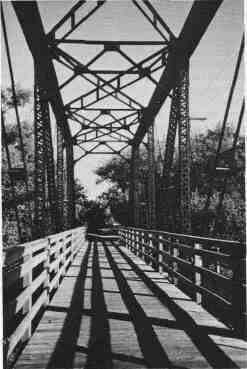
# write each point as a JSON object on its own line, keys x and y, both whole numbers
{"x": 65, "y": 334}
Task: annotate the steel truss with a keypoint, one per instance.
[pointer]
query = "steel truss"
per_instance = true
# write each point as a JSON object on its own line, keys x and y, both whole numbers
{"x": 166, "y": 191}
{"x": 134, "y": 188}
{"x": 60, "y": 177}
{"x": 181, "y": 49}
{"x": 102, "y": 88}
{"x": 45, "y": 217}
{"x": 172, "y": 56}
{"x": 184, "y": 149}
{"x": 151, "y": 178}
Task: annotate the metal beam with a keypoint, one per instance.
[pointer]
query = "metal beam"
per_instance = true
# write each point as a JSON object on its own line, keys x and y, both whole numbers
{"x": 104, "y": 42}
{"x": 29, "y": 18}
{"x": 167, "y": 218}
{"x": 134, "y": 196}
{"x": 70, "y": 219}
{"x": 39, "y": 145}
{"x": 60, "y": 178}
{"x": 196, "y": 24}
{"x": 151, "y": 179}
{"x": 72, "y": 16}
{"x": 184, "y": 150}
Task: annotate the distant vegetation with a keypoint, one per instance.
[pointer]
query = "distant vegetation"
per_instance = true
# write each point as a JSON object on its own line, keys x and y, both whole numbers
{"x": 230, "y": 223}
{"x": 9, "y": 232}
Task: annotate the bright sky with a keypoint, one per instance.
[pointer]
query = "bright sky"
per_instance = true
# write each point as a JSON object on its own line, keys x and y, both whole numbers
{"x": 211, "y": 72}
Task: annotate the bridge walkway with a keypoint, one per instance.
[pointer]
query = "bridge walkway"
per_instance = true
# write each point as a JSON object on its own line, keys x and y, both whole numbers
{"x": 113, "y": 311}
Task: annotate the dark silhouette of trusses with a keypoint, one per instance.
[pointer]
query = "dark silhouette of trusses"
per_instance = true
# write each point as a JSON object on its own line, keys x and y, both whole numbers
{"x": 107, "y": 118}
{"x": 170, "y": 56}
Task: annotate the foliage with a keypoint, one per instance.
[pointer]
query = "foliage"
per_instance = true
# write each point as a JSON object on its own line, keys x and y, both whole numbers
{"x": 117, "y": 200}
{"x": 231, "y": 222}
{"x": 117, "y": 171}
{"x": 10, "y": 235}
{"x": 7, "y": 99}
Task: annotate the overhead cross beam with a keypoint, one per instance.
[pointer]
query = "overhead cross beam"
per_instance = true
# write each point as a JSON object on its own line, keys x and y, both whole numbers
{"x": 72, "y": 18}
{"x": 107, "y": 42}
{"x": 157, "y": 22}
{"x": 101, "y": 83}
{"x": 196, "y": 24}
{"x": 157, "y": 61}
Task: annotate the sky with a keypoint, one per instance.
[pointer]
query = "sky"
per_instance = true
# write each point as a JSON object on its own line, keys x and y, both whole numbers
{"x": 211, "y": 66}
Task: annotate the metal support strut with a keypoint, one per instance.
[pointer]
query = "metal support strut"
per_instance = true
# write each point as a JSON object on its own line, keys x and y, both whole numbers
{"x": 151, "y": 179}
{"x": 134, "y": 198}
{"x": 44, "y": 164}
{"x": 60, "y": 177}
{"x": 39, "y": 204}
{"x": 70, "y": 186}
{"x": 184, "y": 149}
{"x": 167, "y": 193}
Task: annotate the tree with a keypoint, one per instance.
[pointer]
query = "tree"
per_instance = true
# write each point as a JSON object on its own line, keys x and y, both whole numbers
{"x": 12, "y": 139}
{"x": 81, "y": 201}
{"x": 204, "y": 145}
{"x": 8, "y": 102}
{"x": 117, "y": 201}
{"x": 116, "y": 171}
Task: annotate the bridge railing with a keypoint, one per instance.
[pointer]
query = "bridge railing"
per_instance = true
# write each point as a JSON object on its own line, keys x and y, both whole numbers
{"x": 31, "y": 274}
{"x": 211, "y": 271}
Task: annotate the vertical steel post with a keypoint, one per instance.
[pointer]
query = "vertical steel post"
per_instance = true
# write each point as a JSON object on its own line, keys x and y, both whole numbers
{"x": 60, "y": 177}
{"x": 45, "y": 188}
{"x": 168, "y": 159}
{"x": 134, "y": 198}
{"x": 39, "y": 203}
{"x": 151, "y": 179}
{"x": 184, "y": 149}
{"x": 70, "y": 185}
{"x": 50, "y": 167}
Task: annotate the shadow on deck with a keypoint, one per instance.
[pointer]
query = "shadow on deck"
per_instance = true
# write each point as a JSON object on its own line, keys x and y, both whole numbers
{"x": 113, "y": 311}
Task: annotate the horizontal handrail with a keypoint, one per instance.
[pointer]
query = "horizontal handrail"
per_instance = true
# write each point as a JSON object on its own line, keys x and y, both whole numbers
{"x": 211, "y": 271}
{"x": 31, "y": 273}
{"x": 200, "y": 239}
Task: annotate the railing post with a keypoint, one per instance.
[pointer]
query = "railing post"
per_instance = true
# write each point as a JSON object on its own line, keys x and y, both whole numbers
{"x": 140, "y": 244}
{"x": 27, "y": 308}
{"x": 146, "y": 238}
{"x": 198, "y": 262}
{"x": 137, "y": 243}
{"x": 160, "y": 256}
{"x": 218, "y": 268}
{"x": 155, "y": 245}
{"x": 47, "y": 269}
{"x": 58, "y": 255}
{"x": 174, "y": 253}
{"x": 131, "y": 240}
{"x": 63, "y": 260}
{"x": 239, "y": 295}
{"x": 128, "y": 239}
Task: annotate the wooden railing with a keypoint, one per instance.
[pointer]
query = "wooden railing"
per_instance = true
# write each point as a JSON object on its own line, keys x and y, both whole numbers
{"x": 209, "y": 270}
{"x": 31, "y": 274}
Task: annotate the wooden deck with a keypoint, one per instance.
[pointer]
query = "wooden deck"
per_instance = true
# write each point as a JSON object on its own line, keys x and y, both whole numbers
{"x": 113, "y": 311}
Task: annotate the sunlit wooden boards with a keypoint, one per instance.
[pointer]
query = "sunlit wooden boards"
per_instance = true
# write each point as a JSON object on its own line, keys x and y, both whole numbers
{"x": 106, "y": 315}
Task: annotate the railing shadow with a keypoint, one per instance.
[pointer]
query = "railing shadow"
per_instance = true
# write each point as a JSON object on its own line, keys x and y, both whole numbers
{"x": 199, "y": 335}
{"x": 63, "y": 354}
{"x": 98, "y": 350}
